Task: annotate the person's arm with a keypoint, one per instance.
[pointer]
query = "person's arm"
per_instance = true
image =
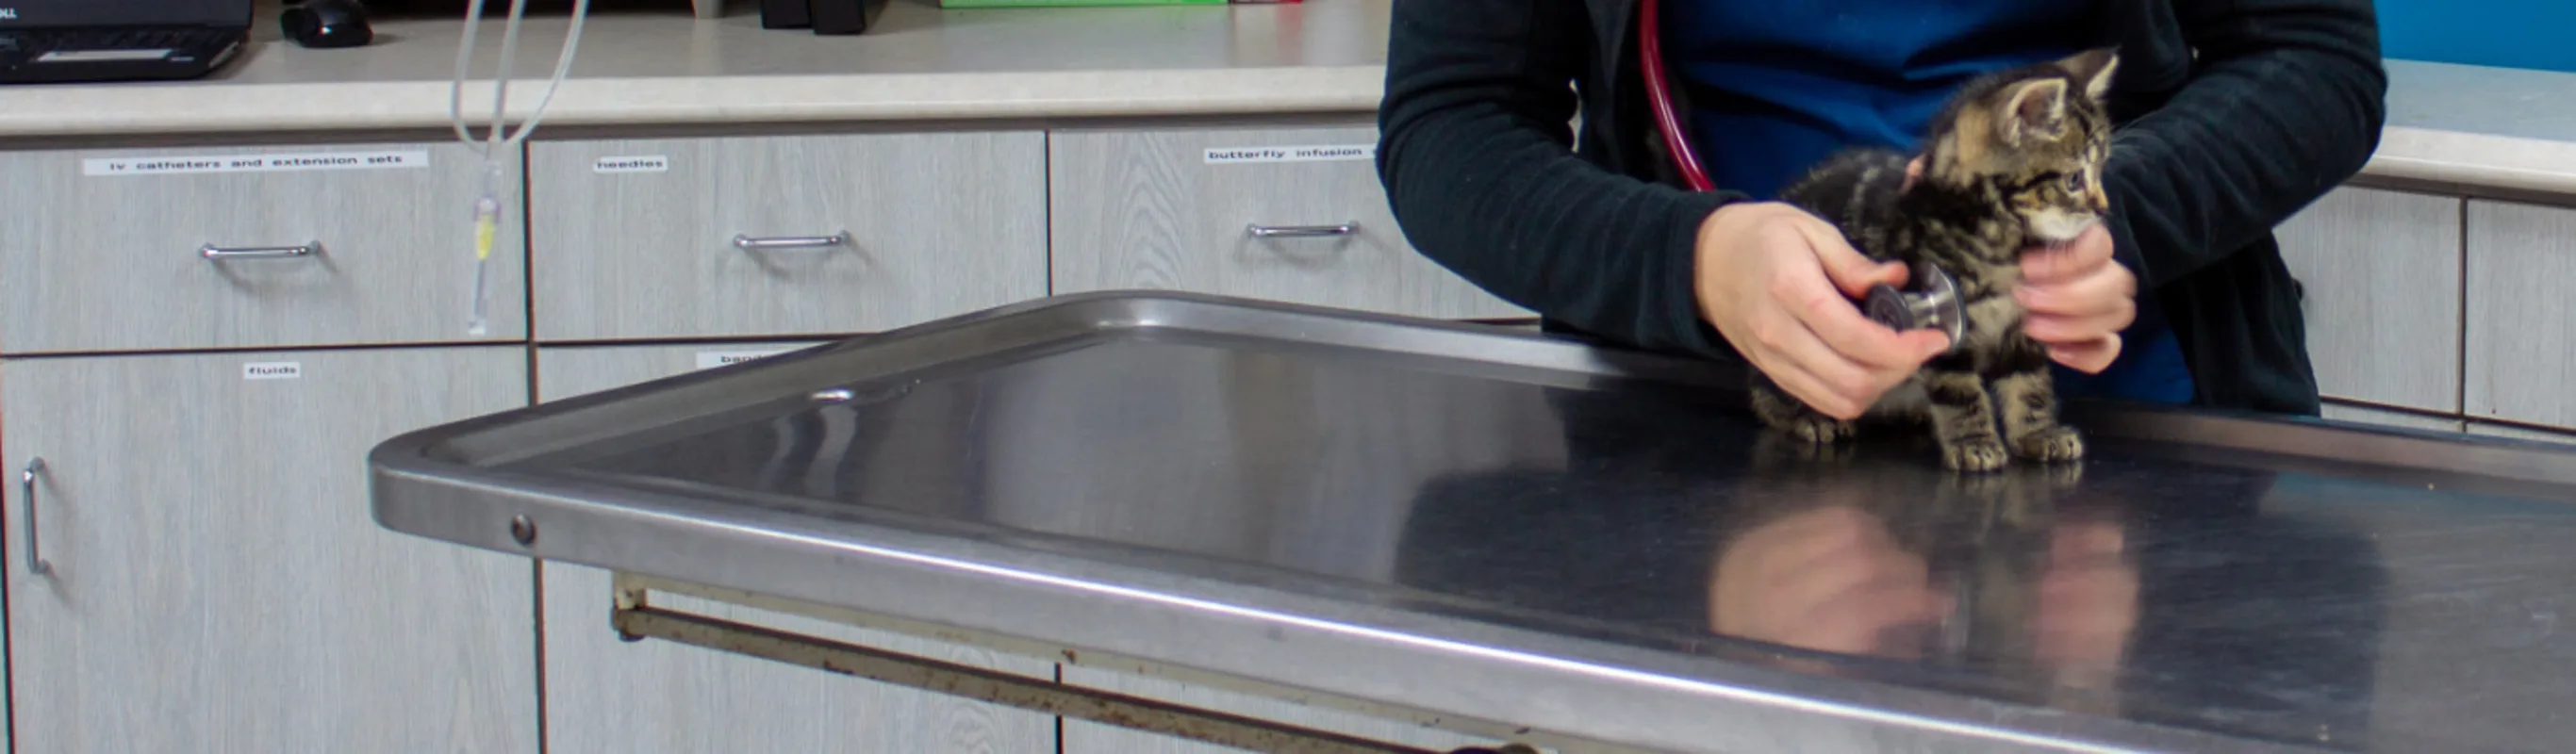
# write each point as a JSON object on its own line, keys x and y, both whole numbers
{"x": 2286, "y": 103}
{"x": 1475, "y": 153}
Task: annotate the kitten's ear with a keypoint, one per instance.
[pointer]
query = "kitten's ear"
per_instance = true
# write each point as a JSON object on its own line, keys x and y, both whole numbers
{"x": 2093, "y": 68}
{"x": 2034, "y": 108}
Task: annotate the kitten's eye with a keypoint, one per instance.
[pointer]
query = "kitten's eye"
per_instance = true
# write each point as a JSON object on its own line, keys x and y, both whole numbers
{"x": 2075, "y": 182}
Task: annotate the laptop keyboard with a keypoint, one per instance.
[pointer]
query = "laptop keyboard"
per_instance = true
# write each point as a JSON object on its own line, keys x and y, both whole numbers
{"x": 30, "y": 43}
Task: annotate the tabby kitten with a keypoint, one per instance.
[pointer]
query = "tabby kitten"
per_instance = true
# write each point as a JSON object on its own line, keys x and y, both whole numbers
{"x": 2013, "y": 159}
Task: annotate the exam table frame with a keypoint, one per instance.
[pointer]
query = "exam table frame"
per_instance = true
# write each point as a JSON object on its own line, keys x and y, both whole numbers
{"x": 445, "y": 483}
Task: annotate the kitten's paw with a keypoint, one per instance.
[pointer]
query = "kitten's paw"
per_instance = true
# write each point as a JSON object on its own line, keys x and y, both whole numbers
{"x": 1976, "y": 454}
{"x": 1819, "y": 429}
{"x": 1779, "y": 448}
{"x": 1786, "y": 414}
{"x": 2052, "y": 445}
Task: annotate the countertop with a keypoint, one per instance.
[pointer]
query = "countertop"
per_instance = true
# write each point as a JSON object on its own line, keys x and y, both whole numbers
{"x": 660, "y": 65}
{"x": 2505, "y": 128}
{"x": 2492, "y": 127}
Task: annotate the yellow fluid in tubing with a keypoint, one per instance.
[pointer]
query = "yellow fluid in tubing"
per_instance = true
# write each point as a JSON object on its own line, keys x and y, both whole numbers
{"x": 495, "y": 146}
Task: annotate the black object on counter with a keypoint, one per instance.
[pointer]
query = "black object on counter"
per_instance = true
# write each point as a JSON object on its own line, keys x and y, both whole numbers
{"x": 822, "y": 16}
{"x": 843, "y": 16}
{"x": 784, "y": 14}
{"x": 325, "y": 24}
{"x": 77, "y": 41}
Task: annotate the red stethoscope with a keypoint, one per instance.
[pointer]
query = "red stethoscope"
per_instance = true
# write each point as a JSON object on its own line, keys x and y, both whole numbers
{"x": 1933, "y": 302}
{"x": 1659, "y": 97}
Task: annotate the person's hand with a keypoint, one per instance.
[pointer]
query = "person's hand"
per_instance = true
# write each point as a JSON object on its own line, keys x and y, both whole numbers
{"x": 2077, "y": 300}
{"x": 1779, "y": 283}
{"x": 1829, "y": 579}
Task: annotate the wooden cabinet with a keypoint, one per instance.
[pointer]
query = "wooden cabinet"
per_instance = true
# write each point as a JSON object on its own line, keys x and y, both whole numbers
{"x": 108, "y": 250}
{"x": 1179, "y": 208}
{"x": 608, "y": 695}
{"x": 2521, "y": 324}
{"x": 217, "y": 581}
{"x": 2381, "y": 271}
{"x": 783, "y": 235}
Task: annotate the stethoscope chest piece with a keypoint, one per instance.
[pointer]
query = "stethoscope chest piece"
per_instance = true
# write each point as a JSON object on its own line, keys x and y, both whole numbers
{"x": 1933, "y": 305}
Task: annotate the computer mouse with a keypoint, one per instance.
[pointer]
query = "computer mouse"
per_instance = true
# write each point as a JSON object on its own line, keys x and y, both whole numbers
{"x": 326, "y": 23}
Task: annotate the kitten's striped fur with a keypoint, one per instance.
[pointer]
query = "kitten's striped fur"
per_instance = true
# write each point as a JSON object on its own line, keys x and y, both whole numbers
{"x": 2013, "y": 160}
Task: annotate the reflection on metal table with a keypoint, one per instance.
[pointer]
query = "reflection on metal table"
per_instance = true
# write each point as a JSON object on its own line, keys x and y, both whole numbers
{"x": 1537, "y": 540}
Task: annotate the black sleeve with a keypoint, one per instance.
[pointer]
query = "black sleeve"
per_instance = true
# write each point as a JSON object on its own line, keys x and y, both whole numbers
{"x": 1475, "y": 153}
{"x": 2286, "y": 101}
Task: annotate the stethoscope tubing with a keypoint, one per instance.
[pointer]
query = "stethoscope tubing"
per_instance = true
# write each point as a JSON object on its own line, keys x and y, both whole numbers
{"x": 1659, "y": 97}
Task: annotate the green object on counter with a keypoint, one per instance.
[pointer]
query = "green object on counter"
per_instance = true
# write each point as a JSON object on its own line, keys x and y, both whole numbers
{"x": 1069, "y": 3}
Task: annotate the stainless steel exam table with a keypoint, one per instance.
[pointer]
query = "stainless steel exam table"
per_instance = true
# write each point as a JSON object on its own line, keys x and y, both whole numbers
{"x": 1530, "y": 539}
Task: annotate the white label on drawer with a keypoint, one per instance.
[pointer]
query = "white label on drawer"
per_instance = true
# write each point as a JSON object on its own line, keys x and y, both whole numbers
{"x": 272, "y": 370}
{"x": 1325, "y": 153}
{"x": 713, "y": 359}
{"x": 642, "y": 163}
{"x": 254, "y": 163}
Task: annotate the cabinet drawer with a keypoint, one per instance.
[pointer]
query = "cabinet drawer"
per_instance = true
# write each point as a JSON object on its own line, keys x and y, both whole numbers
{"x": 795, "y": 235}
{"x": 216, "y": 581}
{"x": 105, "y": 250}
{"x": 1176, "y": 208}
{"x": 2382, "y": 275}
{"x": 2522, "y": 324}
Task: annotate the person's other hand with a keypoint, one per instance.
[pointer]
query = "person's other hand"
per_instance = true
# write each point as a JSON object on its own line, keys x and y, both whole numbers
{"x": 2077, "y": 300}
{"x": 1779, "y": 283}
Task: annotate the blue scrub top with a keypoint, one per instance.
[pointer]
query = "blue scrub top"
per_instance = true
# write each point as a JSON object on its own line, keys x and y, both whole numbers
{"x": 1777, "y": 85}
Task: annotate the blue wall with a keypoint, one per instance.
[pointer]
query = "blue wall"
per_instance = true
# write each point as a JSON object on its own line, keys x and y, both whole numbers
{"x": 2512, "y": 33}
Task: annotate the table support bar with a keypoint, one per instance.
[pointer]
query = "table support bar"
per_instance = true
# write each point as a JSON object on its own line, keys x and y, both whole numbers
{"x": 640, "y": 621}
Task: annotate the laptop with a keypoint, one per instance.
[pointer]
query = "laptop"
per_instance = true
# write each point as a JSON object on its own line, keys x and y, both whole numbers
{"x": 56, "y": 41}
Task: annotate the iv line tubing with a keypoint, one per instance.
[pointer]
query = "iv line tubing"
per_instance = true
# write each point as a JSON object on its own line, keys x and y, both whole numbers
{"x": 487, "y": 204}
{"x": 501, "y": 77}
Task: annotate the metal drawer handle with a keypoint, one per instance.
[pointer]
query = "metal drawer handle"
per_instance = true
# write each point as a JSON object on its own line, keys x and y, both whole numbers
{"x": 219, "y": 253}
{"x": 791, "y": 242}
{"x": 27, "y": 483}
{"x": 1301, "y": 231}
